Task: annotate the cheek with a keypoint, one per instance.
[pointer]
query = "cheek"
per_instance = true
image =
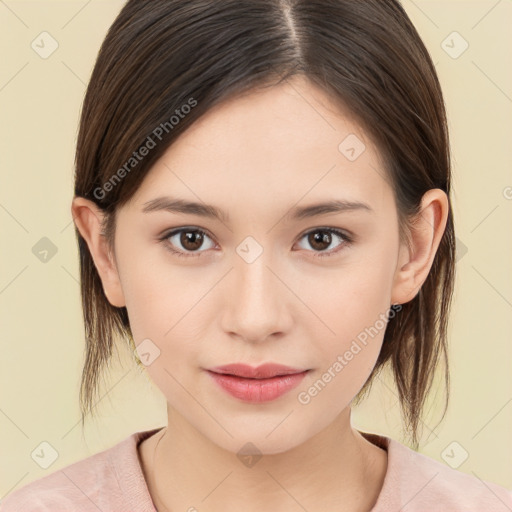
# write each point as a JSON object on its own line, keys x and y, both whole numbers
{"x": 348, "y": 359}
{"x": 158, "y": 292}
{"x": 356, "y": 311}
{"x": 360, "y": 295}
{"x": 165, "y": 306}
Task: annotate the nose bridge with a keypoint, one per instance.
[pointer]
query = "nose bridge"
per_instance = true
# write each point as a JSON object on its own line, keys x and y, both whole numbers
{"x": 257, "y": 304}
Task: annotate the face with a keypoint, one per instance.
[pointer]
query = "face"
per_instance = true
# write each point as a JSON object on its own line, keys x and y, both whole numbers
{"x": 262, "y": 283}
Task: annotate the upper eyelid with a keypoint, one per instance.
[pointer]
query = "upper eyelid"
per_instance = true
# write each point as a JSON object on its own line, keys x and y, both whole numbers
{"x": 175, "y": 231}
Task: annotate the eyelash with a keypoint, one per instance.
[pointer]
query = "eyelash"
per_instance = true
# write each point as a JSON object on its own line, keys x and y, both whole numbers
{"x": 347, "y": 240}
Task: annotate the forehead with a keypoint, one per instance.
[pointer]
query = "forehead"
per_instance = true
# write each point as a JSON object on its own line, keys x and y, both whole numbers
{"x": 286, "y": 143}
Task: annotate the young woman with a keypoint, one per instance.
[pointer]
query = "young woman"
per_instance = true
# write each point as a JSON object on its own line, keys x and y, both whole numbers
{"x": 262, "y": 204}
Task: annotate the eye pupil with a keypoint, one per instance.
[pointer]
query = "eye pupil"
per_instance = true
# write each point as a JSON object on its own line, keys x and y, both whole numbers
{"x": 322, "y": 238}
{"x": 191, "y": 236}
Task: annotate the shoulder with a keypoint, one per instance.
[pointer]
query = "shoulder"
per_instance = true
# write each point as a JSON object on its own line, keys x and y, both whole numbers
{"x": 103, "y": 481}
{"x": 74, "y": 487}
{"x": 416, "y": 482}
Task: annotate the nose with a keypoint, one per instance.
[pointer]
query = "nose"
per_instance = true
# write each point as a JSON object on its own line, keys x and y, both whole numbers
{"x": 257, "y": 302}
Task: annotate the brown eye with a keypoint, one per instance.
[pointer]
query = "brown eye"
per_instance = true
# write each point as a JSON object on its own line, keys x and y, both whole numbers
{"x": 321, "y": 239}
{"x": 186, "y": 241}
{"x": 191, "y": 240}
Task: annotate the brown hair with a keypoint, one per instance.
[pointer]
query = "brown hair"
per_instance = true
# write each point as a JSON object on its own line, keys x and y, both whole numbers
{"x": 161, "y": 55}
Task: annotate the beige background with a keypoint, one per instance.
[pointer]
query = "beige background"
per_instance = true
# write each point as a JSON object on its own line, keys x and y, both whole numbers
{"x": 42, "y": 331}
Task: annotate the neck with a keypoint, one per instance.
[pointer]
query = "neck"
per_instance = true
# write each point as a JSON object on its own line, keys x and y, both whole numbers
{"x": 184, "y": 469}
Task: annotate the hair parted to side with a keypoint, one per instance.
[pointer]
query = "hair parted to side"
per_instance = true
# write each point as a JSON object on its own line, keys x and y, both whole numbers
{"x": 160, "y": 55}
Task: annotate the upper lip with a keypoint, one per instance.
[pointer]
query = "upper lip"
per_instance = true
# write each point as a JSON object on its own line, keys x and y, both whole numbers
{"x": 263, "y": 371}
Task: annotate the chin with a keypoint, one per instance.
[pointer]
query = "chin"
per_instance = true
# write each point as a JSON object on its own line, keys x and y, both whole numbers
{"x": 261, "y": 440}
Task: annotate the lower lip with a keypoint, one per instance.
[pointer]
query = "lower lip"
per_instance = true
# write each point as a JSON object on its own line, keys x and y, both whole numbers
{"x": 258, "y": 390}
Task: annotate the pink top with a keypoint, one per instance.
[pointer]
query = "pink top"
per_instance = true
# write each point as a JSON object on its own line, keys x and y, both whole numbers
{"x": 113, "y": 481}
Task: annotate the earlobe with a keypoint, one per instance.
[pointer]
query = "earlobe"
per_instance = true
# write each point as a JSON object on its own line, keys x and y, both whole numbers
{"x": 88, "y": 220}
{"x": 426, "y": 231}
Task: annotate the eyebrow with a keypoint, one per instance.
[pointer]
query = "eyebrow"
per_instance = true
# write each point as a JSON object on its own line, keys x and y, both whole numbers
{"x": 173, "y": 205}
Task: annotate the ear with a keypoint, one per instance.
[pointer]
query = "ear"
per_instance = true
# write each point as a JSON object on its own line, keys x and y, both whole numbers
{"x": 415, "y": 262}
{"x": 88, "y": 219}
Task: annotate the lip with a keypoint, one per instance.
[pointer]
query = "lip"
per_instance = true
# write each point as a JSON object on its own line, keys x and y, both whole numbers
{"x": 262, "y": 384}
{"x": 263, "y": 371}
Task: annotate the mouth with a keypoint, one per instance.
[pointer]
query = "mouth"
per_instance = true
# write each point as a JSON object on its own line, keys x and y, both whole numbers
{"x": 256, "y": 385}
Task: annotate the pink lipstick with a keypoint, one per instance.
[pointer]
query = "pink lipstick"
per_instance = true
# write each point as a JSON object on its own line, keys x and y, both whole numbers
{"x": 261, "y": 384}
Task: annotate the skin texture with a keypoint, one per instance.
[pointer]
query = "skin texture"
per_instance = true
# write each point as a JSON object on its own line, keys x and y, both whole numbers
{"x": 256, "y": 157}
